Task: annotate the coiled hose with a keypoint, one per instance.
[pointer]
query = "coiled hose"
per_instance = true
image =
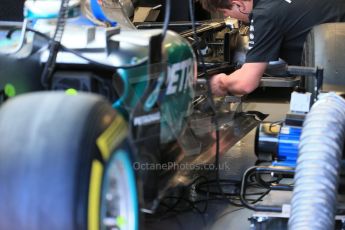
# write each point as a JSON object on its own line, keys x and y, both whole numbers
{"x": 314, "y": 200}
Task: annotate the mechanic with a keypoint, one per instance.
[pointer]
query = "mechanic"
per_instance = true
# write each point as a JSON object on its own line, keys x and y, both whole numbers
{"x": 278, "y": 29}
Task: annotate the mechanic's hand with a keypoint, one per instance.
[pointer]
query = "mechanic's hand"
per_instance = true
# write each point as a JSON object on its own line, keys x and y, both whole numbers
{"x": 217, "y": 85}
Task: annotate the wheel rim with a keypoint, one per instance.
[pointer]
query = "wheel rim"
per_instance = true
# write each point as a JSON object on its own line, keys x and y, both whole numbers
{"x": 119, "y": 202}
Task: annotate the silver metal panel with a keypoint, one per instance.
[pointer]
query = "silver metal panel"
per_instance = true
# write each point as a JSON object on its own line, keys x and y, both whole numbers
{"x": 279, "y": 81}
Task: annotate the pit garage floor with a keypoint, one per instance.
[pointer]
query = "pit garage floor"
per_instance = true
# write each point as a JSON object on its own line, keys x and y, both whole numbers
{"x": 220, "y": 214}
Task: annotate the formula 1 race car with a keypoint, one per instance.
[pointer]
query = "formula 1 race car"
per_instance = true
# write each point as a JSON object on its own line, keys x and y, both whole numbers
{"x": 74, "y": 160}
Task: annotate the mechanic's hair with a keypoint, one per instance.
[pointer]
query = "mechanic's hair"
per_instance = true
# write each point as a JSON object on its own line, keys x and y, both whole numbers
{"x": 214, "y": 5}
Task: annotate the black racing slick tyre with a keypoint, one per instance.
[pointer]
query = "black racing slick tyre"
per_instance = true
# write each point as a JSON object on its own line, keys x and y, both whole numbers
{"x": 65, "y": 164}
{"x": 325, "y": 47}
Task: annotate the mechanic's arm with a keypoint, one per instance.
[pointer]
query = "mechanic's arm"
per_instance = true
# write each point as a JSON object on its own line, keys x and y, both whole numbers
{"x": 242, "y": 81}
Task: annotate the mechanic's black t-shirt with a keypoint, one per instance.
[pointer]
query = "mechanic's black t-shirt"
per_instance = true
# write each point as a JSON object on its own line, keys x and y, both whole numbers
{"x": 11, "y": 10}
{"x": 278, "y": 28}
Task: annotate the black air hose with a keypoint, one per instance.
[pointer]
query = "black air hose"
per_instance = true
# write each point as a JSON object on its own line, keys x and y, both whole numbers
{"x": 54, "y": 45}
{"x": 314, "y": 200}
